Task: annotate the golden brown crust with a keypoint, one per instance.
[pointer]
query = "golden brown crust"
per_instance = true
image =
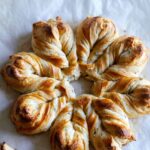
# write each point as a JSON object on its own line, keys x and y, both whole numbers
{"x": 54, "y": 41}
{"x": 113, "y": 62}
{"x": 127, "y": 57}
{"x": 102, "y": 55}
{"x": 69, "y": 131}
{"x": 132, "y": 94}
{"x": 94, "y": 35}
{"x": 35, "y": 112}
{"x": 108, "y": 125}
{"x": 25, "y": 72}
{"x": 32, "y": 115}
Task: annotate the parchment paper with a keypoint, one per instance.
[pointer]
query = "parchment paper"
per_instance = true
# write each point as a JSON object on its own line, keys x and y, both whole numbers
{"x": 16, "y": 18}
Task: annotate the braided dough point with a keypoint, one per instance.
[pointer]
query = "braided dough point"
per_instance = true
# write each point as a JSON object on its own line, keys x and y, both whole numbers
{"x": 127, "y": 57}
{"x": 107, "y": 123}
{"x": 102, "y": 55}
{"x": 35, "y": 112}
{"x": 94, "y": 35}
{"x": 132, "y": 94}
{"x": 70, "y": 130}
{"x": 54, "y": 41}
{"x": 26, "y": 72}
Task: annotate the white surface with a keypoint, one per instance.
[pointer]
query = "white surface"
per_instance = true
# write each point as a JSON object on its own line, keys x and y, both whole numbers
{"x": 16, "y": 18}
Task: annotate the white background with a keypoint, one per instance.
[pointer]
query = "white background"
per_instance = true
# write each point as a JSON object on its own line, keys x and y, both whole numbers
{"x": 16, "y": 18}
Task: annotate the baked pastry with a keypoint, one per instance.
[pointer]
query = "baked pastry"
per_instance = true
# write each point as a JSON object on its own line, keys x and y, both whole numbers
{"x": 26, "y": 72}
{"x": 55, "y": 56}
{"x": 107, "y": 123}
{"x": 5, "y": 146}
{"x": 93, "y": 36}
{"x": 90, "y": 118}
{"x": 70, "y": 130}
{"x": 54, "y": 41}
{"x": 127, "y": 57}
{"x": 112, "y": 62}
{"x": 132, "y": 94}
{"x": 35, "y": 112}
{"x": 102, "y": 55}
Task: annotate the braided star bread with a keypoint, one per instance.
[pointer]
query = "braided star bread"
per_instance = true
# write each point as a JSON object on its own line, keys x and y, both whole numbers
{"x": 96, "y": 52}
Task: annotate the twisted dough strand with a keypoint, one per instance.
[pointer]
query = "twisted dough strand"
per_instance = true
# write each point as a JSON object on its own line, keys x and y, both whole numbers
{"x": 90, "y": 118}
{"x": 132, "y": 94}
{"x": 35, "y": 112}
{"x": 70, "y": 130}
{"x": 94, "y": 35}
{"x": 55, "y": 57}
{"x": 127, "y": 57}
{"x": 102, "y": 55}
{"x": 54, "y": 41}
{"x": 108, "y": 125}
{"x": 26, "y": 72}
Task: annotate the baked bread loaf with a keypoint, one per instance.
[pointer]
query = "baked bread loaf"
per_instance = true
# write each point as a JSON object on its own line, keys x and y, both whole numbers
{"x": 132, "y": 94}
{"x": 102, "y": 55}
{"x": 35, "y": 112}
{"x": 93, "y": 119}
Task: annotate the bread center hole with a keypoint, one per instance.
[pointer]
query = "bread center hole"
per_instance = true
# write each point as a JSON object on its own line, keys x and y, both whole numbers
{"x": 82, "y": 86}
